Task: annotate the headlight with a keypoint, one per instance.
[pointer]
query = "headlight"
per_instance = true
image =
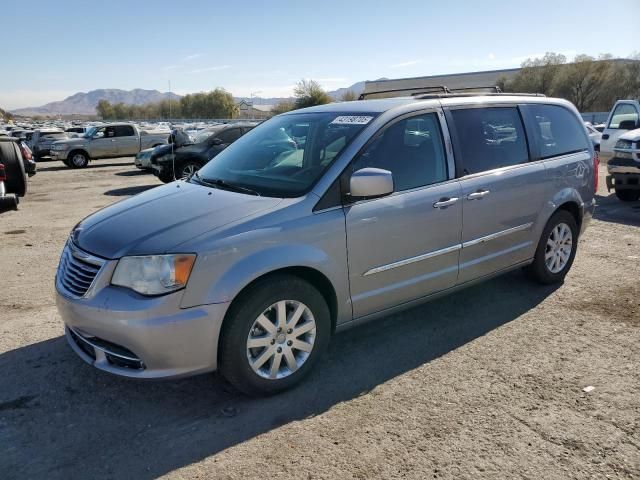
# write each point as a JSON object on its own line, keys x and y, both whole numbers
{"x": 59, "y": 146}
{"x": 154, "y": 274}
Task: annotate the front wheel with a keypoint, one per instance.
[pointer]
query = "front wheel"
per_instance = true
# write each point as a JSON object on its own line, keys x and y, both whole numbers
{"x": 556, "y": 249}
{"x": 273, "y": 335}
{"x": 78, "y": 160}
{"x": 188, "y": 169}
{"x": 628, "y": 195}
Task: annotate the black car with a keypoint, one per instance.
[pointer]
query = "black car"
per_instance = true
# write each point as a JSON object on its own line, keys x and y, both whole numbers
{"x": 190, "y": 158}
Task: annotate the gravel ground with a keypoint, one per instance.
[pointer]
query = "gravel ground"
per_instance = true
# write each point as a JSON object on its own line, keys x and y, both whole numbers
{"x": 487, "y": 383}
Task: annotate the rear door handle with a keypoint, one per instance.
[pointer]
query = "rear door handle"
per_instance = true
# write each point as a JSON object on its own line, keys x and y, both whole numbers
{"x": 605, "y": 136}
{"x": 445, "y": 202}
{"x": 478, "y": 195}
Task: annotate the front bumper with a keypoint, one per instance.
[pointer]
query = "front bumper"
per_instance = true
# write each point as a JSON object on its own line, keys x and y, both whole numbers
{"x": 58, "y": 154}
{"x": 624, "y": 173}
{"x": 121, "y": 332}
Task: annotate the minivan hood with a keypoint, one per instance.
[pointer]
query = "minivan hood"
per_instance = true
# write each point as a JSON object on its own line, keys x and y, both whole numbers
{"x": 158, "y": 219}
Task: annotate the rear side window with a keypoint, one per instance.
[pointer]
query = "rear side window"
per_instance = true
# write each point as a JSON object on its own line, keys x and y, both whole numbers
{"x": 623, "y": 112}
{"x": 490, "y": 138}
{"x": 124, "y": 131}
{"x": 559, "y": 131}
{"x": 229, "y": 136}
{"x": 411, "y": 150}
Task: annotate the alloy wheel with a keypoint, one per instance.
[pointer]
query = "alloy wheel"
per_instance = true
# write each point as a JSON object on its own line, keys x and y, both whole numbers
{"x": 558, "y": 248}
{"x": 281, "y": 339}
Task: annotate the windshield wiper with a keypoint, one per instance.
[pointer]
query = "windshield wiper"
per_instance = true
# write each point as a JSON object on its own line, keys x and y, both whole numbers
{"x": 223, "y": 185}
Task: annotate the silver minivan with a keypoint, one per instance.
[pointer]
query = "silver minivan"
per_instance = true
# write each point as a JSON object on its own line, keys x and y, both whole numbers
{"x": 252, "y": 264}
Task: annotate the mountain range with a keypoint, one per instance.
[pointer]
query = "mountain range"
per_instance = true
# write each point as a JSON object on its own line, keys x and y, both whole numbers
{"x": 83, "y": 103}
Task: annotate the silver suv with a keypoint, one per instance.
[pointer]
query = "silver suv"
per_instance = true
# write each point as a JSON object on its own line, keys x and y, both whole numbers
{"x": 252, "y": 264}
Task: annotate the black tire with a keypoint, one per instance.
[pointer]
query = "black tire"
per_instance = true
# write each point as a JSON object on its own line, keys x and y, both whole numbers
{"x": 11, "y": 157}
{"x": 628, "y": 195}
{"x": 77, "y": 159}
{"x": 538, "y": 270}
{"x": 66, "y": 162}
{"x": 232, "y": 354}
{"x": 165, "y": 176}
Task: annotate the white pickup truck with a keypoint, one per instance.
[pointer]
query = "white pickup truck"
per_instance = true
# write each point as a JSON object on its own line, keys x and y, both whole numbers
{"x": 624, "y": 116}
{"x": 620, "y": 149}
{"x": 106, "y": 141}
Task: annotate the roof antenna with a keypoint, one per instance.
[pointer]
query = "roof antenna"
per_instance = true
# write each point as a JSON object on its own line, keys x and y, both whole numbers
{"x": 172, "y": 138}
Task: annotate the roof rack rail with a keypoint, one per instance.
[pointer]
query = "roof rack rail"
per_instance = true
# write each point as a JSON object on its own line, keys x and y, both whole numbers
{"x": 441, "y": 88}
{"x": 442, "y": 91}
{"x": 475, "y": 94}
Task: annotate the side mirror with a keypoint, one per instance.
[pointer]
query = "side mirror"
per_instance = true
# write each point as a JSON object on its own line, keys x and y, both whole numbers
{"x": 627, "y": 125}
{"x": 370, "y": 183}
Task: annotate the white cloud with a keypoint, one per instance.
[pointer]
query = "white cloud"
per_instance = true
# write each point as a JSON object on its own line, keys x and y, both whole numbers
{"x": 405, "y": 64}
{"x": 491, "y": 56}
{"x": 170, "y": 67}
{"x": 193, "y": 56}
{"x": 210, "y": 69}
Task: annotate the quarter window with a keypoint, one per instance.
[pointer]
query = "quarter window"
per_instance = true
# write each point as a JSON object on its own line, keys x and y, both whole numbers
{"x": 559, "y": 131}
{"x": 411, "y": 150}
{"x": 623, "y": 112}
{"x": 490, "y": 138}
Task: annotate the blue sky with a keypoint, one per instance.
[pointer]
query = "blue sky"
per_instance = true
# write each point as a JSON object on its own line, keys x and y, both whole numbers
{"x": 63, "y": 47}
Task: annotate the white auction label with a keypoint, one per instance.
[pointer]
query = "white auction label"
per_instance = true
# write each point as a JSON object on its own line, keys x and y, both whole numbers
{"x": 352, "y": 120}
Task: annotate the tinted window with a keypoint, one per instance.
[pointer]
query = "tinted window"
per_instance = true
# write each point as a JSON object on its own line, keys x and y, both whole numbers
{"x": 411, "y": 150}
{"x": 623, "y": 112}
{"x": 490, "y": 138}
{"x": 559, "y": 131}
{"x": 230, "y": 135}
{"x": 124, "y": 131}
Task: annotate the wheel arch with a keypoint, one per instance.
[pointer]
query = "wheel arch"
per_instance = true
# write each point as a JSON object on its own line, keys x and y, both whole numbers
{"x": 309, "y": 274}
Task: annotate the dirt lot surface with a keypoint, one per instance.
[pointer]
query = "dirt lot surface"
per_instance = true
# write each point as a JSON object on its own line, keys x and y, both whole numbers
{"x": 487, "y": 383}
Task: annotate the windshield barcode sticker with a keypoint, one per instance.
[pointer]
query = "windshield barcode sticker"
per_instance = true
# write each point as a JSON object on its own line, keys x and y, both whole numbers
{"x": 352, "y": 120}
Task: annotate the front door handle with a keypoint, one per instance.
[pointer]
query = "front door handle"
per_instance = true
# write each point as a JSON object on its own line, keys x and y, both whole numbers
{"x": 445, "y": 202}
{"x": 605, "y": 136}
{"x": 478, "y": 195}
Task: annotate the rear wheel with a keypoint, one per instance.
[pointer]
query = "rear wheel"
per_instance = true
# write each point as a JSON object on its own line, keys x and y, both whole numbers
{"x": 628, "y": 195}
{"x": 11, "y": 157}
{"x": 273, "y": 335}
{"x": 556, "y": 249}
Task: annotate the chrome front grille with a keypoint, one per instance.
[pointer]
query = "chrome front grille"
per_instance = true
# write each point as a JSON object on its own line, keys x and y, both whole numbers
{"x": 77, "y": 271}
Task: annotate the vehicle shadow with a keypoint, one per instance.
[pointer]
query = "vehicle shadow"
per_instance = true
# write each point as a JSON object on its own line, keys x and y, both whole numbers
{"x": 121, "y": 192}
{"x": 62, "y": 166}
{"x": 611, "y": 209}
{"x": 133, "y": 173}
{"x": 61, "y": 418}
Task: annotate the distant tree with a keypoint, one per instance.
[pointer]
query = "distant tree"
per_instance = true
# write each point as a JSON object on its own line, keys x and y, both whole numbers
{"x": 104, "y": 110}
{"x": 349, "y": 96}
{"x": 283, "y": 107}
{"x": 309, "y": 93}
{"x": 583, "y": 81}
{"x": 537, "y": 75}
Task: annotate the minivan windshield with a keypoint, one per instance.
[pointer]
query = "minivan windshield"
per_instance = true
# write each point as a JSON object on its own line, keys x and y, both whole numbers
{"x": 286, "y": 155}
